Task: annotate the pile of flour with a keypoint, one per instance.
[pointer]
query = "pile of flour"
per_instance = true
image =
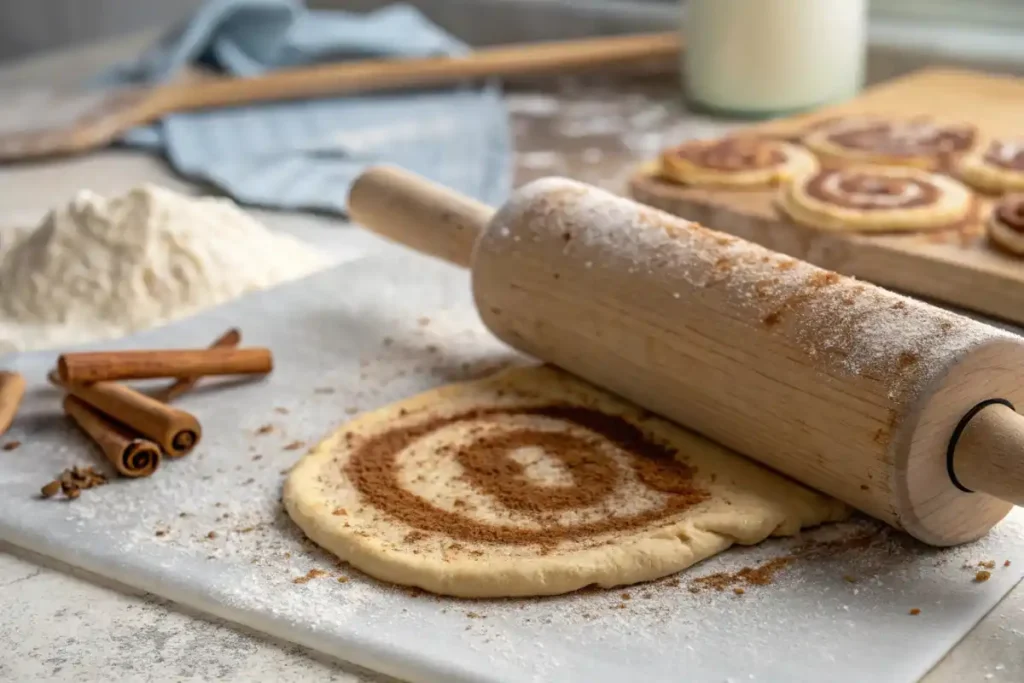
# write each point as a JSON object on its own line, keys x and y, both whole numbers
{"x": 100, "y": 268}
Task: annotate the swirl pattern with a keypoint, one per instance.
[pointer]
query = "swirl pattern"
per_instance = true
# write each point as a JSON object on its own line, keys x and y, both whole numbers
{"x": 996, "y": 170}
{"x": 870, "y": 191}
{"x": 912, "y": 142}
{"x": 1006, "y": 224}
{"x": 1010, "y": 212}
{"x": 531, "y": 482}
{"x": 731, "y": 154}
{"x": 139, "y": 459}
{"x": 873, "y": 198}
{"x": 1008, "y": 154}
{"x": 735, "y": 161}
{"x": 591, "y": 455}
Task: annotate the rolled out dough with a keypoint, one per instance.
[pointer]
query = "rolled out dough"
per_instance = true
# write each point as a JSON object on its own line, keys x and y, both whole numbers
{"x": 532, "y": 482}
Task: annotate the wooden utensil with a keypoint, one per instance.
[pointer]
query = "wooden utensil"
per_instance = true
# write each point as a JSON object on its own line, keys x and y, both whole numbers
{"x": 957, "y": 266}
{"x": 96, "y": 119}
{"x": 839, "y": 384}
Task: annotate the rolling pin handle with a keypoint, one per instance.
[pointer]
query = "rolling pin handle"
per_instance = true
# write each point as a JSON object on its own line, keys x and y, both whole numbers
{"x": 413, "y": 211}
{"x": 986, "y": 451}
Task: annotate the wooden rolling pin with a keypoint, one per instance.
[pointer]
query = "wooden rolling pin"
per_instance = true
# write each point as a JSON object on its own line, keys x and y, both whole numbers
{"x": 899, "y": 408}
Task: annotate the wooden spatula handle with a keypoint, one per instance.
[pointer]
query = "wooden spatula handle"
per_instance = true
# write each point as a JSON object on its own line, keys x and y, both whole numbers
{"x": 989, "y": 453}
{"x": 385, "y": 74}
{"x": 417, "y": 213}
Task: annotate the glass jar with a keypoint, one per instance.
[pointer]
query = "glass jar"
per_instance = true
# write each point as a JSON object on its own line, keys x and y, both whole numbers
{"x": 764, "y": 58}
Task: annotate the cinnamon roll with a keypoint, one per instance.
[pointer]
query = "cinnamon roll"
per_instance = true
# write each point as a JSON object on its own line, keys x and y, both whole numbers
{"x": 1006, "y": 224}
{"x": 738, "y": 162}
{"x": 998, "y": 168}
{"x": 917, "y": 142}
{"x": 877, "y": 199}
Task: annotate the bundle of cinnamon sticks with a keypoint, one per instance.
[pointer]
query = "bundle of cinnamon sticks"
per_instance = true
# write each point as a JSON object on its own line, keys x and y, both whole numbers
{"x": 134, "y": 430}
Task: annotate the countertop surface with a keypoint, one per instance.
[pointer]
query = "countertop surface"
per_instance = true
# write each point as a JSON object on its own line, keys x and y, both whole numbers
{"x": 64, "y": 624}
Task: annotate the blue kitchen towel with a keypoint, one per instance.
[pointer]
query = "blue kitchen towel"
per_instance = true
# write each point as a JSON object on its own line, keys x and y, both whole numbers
{"x": 305, "y": 154}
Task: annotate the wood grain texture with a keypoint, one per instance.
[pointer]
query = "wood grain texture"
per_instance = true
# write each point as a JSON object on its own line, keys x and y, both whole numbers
{"x": 959, "y": 267}
{"x": 672, "y": 317}
{"x": 386, "y": 74}
{"x": 422, "y": 215}
{"x": 765, "y": 354}
{"x": 988, "y": 456}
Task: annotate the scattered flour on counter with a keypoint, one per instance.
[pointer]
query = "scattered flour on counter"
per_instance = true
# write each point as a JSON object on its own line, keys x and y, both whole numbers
{"x": 100, "y": 268}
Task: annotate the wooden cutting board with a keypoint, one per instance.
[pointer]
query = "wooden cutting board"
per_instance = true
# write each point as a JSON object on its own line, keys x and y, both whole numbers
{"x": 959, "y": 267}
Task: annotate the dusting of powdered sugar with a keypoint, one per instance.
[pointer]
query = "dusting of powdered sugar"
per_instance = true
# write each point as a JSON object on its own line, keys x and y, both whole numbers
{"x": 389, "y": 337}
{"x": 840, "y": 325}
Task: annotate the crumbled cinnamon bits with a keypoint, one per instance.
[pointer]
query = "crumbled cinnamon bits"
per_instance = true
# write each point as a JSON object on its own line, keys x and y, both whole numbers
{"x": 761, "y": 575}
{"x": 914, "y": 612}
{"x": 982, "y": 576}
{"x": 310, "y": 575}
{"x": 50, "y": 490}
{"x": 10, "y": 445}
{"x": 73, "y": 481}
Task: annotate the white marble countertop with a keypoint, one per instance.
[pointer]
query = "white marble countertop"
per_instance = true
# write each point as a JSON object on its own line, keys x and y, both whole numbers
{"x": 62, "y": 624}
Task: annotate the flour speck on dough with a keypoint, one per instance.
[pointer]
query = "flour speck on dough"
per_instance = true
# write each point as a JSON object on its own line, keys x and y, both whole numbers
{"x": 100, "y": 268}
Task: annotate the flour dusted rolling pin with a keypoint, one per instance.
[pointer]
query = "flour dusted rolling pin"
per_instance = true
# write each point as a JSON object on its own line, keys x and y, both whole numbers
{"x": 899, "y": 408}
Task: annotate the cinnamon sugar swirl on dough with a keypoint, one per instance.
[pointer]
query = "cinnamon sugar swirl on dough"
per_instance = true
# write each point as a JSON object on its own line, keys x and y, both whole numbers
{"x": 998, "y": 168}
{"x": 917, "y": 142}
{"x": 877, "y": 199}
{"x": 532, "y": 482}
{"x": 1006, "y": 224}
{"x": 738, "y": 162}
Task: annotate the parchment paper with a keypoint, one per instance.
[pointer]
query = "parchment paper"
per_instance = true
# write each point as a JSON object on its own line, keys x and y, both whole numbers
{"x": 384, "y": 327}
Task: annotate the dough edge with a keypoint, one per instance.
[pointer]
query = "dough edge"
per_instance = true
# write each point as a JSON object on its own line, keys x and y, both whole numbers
{"x": 799, "y": 162}
{"x": 655, "y": 555}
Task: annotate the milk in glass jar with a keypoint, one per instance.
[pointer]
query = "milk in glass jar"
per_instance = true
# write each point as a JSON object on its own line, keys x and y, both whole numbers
{"x": 763, "y": 58}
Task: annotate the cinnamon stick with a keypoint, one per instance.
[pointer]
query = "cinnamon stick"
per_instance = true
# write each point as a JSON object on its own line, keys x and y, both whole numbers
{"x": 83, "y": 368}
{"x": 174, "y": 430}
{"x": 130, "y": 455}
{"x": 12, "y": 390}
{"x": 229, "y": 339}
